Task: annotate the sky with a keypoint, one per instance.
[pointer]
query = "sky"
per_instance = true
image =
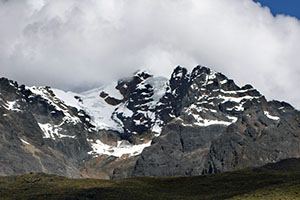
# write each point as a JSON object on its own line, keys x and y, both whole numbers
{"x": 287, "y": 7}
{"x": 76, "y": 45}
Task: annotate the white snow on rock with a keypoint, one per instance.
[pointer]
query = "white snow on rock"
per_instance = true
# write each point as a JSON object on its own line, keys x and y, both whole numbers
{"x": 111, "y": 90}
{"x": 207, "y": 122}
{"x": 25, "y": 142}
{"x": 100, "y": 111}
{"x": 95, "y": 106}
{"x": 52, "y": 131}
{"x": 157, "y": 128}
{"x": 11, "y": 84}
{"x": 232, "y": 118}
{"x": 234, "y": 99}
{"x": 124, "y": 110}
{"x": 271, "y": 116}
{"x": 67, "y": 97}
{"x": 237, "y": 108}
{"x": 159, "y": 85}
{"x": 12, "y": 105}
{"x": 195, "y": 111}
{"x": 56, "y": 102}
{"x": 233, "y": 92}
{"x": 209, "y": 78}
{"x": 224, "y": 81}
{"x": 123, "y": 148}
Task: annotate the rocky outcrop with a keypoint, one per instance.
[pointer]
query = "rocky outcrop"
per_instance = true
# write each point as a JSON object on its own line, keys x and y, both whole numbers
{"x": 219, "y": 127}
{"x": 24, "y": 147}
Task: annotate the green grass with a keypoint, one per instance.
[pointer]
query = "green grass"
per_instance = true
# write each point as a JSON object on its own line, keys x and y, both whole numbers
{"x": 274, "y": 182}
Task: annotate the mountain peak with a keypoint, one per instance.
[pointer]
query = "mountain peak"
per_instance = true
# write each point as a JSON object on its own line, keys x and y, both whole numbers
{"x": 179, "y": 73}
{"x": 199, "y": 69}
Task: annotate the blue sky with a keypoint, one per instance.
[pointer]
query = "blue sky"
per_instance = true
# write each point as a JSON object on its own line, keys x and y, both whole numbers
{"x": 287, "y": 7}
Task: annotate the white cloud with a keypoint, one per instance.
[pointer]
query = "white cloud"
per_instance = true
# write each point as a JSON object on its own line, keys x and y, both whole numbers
{"x": 75, "y": 44}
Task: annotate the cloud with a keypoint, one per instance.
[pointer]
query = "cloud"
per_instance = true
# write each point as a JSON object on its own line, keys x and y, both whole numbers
{"x": 74, "y": 45}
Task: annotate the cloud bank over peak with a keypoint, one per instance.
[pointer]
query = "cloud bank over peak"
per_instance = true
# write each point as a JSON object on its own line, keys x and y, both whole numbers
{"x": 76, "y": 44}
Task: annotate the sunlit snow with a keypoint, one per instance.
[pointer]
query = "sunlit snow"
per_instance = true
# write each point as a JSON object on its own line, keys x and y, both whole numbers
{"x": 12, "y": 105}
{"x": 271, "y": 116}
{"x": 95, "y": 106}
{"x": 123, "y": 148}
{"x": 52, "y": 131}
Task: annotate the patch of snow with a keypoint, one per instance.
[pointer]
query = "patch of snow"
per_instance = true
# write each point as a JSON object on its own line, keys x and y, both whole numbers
{"x": 194, "y": 86}
{"x": 209, "y": 78}
{"x": 234, "y": 91}
{"x": 157, "y": 128}
{"x": 141, "y": 87}
{"x": 271, "y": 116}
{"x": 235, "y": 99}
{"x": 183, "y": 124}
{"x": 233, "y": 119}
{"x": 178, "y": 75}
{"x": 224, "y": 81}
{"x": 212, "y": 75}
{"x": 123, "y": 148}
{"x": 52, "y": 131}
{"x": 137, "y": 122}
{"x": 140, "y": 72}
{"x": 25, "y": 142}
{"x": 207, "y": 122}
{"x": 10, "y": 83}
{"x": 199, "y": 109}
{"x": 56, "y": 102}
{"x": 147, "y": 114}
{"x": 159, "y": 85}
{"x": 237, "y": 108}
{"x": 172, "y": 115}
{"x": 195, "y": 111}
{"x": 12, "y": 105}
{"x": 124, "y": 111}
{"x": 67, "y": 97}
{"x": 49, "y": 130}
{"x": 111, "y": 90}
{"x": 95, "y": 106}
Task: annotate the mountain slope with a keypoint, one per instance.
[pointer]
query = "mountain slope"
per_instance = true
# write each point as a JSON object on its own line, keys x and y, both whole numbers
{"x": 194, "y": 123}
{"x": 272, "y": 182}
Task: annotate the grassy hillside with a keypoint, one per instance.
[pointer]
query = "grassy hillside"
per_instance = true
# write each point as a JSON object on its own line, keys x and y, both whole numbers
{"x": 275, "y": 181}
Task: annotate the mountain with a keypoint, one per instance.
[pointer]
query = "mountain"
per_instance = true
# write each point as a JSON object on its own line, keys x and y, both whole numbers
{"x": 193, "y": 123}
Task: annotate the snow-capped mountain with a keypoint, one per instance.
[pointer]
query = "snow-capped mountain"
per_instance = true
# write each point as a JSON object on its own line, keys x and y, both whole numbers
{"x": 193, "y": 123}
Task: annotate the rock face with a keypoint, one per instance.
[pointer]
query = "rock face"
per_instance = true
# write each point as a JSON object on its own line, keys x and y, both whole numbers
{"x": 194, "y": 123}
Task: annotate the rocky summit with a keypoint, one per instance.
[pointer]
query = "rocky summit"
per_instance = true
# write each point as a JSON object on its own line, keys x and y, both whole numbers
{"x": 193, "y": 123}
